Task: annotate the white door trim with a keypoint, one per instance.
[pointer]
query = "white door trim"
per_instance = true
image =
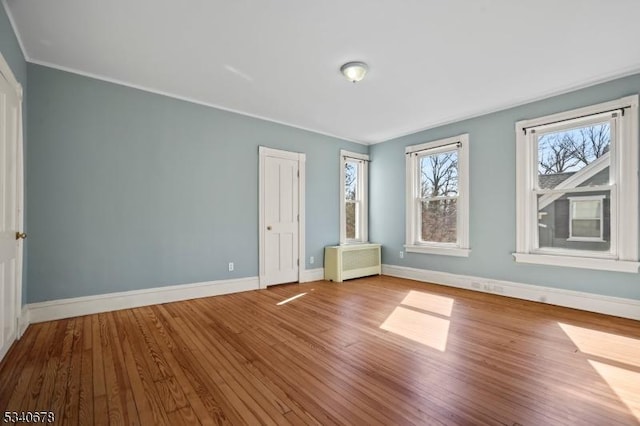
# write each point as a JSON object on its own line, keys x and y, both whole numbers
{"x": 301, "y": 159}
{"x": 7, "y": 73}
{"x": 5, "y": 70}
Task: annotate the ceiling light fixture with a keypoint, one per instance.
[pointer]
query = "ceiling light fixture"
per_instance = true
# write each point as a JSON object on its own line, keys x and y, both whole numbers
{"x": 354, "y": 71}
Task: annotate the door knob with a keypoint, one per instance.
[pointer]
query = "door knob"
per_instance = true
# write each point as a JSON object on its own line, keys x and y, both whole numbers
{"x": 20, "y": 235}
{"x": 269, "y": 228}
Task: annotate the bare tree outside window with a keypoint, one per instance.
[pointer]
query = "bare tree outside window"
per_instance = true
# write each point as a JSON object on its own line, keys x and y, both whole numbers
{"x": 438, "y": 197}
{"x": 351, "y": 198}
{"x": 592, "y": 143}
{"x": 569, "y": 151}
{"x": 556, "y": 154}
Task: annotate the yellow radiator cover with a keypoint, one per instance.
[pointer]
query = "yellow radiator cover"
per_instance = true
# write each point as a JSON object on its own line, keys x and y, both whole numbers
{"x": 351, "y": 261}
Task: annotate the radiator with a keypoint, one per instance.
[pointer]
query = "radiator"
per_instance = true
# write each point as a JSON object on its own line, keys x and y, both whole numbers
{"x": 351, "y": 261}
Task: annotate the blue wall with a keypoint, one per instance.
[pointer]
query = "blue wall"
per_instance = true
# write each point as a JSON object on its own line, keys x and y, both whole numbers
{"x": 12, "y": 54}
{"x": 492, "y": 198}
{"x": 132, "y": 190}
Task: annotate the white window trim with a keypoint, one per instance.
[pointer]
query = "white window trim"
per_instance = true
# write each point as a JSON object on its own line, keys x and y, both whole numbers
{"x": 572, "y": 201}
{"x": 624, "y": 221}
{"x": 363, "y": 190}
{"x": 461, "y": 248}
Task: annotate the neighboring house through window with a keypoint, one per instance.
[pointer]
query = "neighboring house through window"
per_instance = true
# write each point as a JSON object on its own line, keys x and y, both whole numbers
{"x": 437, "y": 205}
{"x": 353, "y": 197}
{"x": 577, "y": 188}
{"x": 586, "y": 219}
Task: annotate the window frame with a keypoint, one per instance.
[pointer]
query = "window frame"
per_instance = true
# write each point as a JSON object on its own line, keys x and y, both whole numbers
{"x": 362, "y": 195}
{"x": 572, "y": 204}
{"x": 461, "y": 247}
{"x": 623, "y": 187}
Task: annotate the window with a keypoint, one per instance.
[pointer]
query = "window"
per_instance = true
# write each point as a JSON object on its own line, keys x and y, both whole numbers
{"x": 577, "y": 188}
{"x": 437, "y": 197}
{"x": 353, "y": 198}
{"x": 586, "y": 222}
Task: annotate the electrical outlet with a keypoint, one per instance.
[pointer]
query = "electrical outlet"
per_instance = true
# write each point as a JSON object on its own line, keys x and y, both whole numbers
{"x": 311, "y": 260}
{"x": 401, "y": 255}
{"x": 490, "y": 287}
{"x": 230, "y": 266}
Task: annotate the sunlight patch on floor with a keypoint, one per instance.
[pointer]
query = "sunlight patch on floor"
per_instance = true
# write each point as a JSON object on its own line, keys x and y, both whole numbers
{"x": 291, "y": 299}
{"x": 429, "y": 302}
{"x": 621, "y": 351}
{"x": 422, "y": 317}
{"x": 605, "y": 345}
{"x": 625, "y": 383}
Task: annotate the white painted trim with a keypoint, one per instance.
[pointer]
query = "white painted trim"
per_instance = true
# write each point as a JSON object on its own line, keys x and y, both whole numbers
{"x": 23, "y": 321}
{"x": 609, "y": 305}
{"x": 363, "y": 190}
{"x": 599, "y": 264}
{"x": 624, "y": 172}
{"x": 77, "y": 306}
{"x": 433, "y": 145}
{"x": 302, "y": 242}
{"x": 20, "y": 210}
{"x": 354, "y": 155}
{"x": 462, "y": 246}
{"x": 443, "y": 250}
{"x": 579, "y": 114}
{"x": 628, "y": 170}
{"x": 261, "y": 219}
{"x": 310, "y": 275}
{"x": 12, "y": 338}
{"x": 7, "y": 72}
{"x": 263, "y": 152}
{"x": 12, "y": 21}
{"x": 8, "y": 75}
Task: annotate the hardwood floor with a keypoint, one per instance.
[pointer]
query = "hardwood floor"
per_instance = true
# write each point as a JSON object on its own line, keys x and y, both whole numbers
{"x": 378, "y": 350}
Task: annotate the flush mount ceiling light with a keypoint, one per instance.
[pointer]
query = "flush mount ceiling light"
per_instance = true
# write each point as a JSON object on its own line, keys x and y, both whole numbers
{"x": 354, "y": 71}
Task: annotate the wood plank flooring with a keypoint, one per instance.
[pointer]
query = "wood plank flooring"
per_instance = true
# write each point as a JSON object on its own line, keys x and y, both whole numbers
{"x": 372, "y": 351}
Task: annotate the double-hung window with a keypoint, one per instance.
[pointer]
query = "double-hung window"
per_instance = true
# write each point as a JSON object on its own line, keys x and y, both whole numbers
{"x": 353, "y": 197}
{"x": 437, "y": 206}
{"x": 577, "y": 188}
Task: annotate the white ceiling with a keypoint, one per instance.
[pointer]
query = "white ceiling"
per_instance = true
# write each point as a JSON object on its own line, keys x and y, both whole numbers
{"x": 431, "y": 61}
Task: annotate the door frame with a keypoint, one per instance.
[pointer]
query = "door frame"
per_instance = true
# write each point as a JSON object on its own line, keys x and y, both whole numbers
{"x": 7, "y": 73}
{"x": 301, "y": 159}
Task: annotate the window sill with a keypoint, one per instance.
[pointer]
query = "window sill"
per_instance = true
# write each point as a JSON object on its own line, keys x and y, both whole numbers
{"x": 586, "y": 240}
{"x": 441, "y": 250}
{"x": 578, "y": 262}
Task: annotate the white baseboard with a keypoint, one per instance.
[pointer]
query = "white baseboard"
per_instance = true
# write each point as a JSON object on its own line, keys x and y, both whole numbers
{"x": 310, "y": 275}
{"x": 616, "y": 306}
{"x": 77, "y": 306}
{"x": 23, "y": 321}
{"x": 4, "y": 349}
{"x": 67, "y": 308}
